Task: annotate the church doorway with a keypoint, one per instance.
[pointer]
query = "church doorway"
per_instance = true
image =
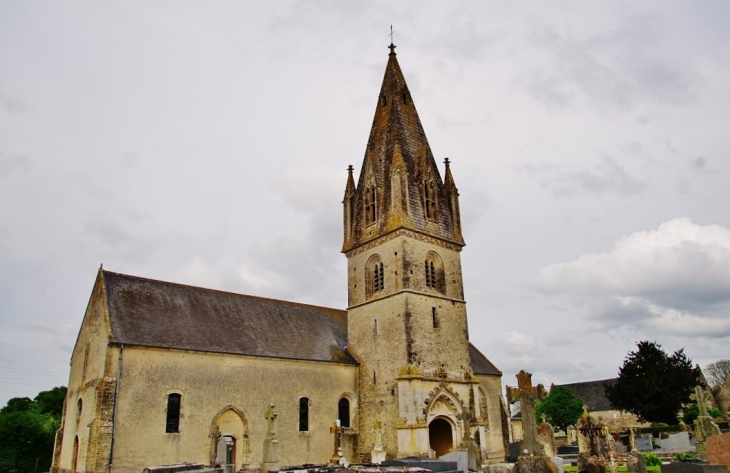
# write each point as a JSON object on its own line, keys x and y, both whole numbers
{"x": 231, "y": 435}
{"x": 440, "y": 436}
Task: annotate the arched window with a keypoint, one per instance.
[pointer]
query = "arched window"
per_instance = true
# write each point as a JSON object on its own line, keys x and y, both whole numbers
{"x": 172, "y": 425}
{"x": 429, "y": 199}
{"x": 374, "y": 277}
{"x": 79, "y": 408}
{"x": 343, "y": 412}
{"x": 434, "y": 272}
{"x": 371, "y": 211}
{"x": 303, "y": 414}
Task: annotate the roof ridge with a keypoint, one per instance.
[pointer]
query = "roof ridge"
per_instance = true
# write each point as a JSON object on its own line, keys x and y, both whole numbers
{"x": 588, "y": 382}
{"x": 171, "y": 283}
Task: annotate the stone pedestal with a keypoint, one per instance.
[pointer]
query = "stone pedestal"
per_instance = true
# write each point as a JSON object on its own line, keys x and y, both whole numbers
{"x": 534, "y": 464}
{"x": 585, "y": 465}
{"x": 377, "y": 456}
{"x": 271, "y": 455}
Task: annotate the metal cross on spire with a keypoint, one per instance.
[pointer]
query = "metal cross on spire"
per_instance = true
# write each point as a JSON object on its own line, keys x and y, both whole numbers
{"x": 392, "y": 46}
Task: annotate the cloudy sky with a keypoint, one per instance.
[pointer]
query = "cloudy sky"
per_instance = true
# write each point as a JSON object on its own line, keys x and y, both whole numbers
{"x": 207, "y": 143}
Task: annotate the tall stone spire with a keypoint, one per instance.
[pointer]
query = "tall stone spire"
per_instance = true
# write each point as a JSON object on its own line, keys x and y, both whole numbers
{"x": 399, "y": 185}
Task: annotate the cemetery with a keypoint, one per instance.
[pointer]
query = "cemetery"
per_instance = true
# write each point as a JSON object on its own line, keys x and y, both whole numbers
{"x": 626, "y": 446}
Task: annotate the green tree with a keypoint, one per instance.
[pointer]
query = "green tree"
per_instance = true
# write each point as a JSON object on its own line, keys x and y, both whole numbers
{"x": 27, "y": 431}
{"x": 692, "y": 412}
{"x": 51, "y": 402}
{"x": 652, "y": 384}
{"x": 17, "y": 404}
{"x": 561, "y": 408}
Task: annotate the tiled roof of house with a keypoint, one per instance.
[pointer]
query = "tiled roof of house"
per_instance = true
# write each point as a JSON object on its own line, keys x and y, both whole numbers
{"x": 148, "y": 312}
{"x": 592, "y": 393}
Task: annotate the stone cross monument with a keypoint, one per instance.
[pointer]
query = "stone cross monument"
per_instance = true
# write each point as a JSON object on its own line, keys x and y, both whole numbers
{"x": 337, "y": 454}
{"x": 532, "y": 458}
{"x": 527, "y": 395}
{"x": 271, "y": 443}
{"x": 704, "y": 427}
{"x": 377, "y": 456}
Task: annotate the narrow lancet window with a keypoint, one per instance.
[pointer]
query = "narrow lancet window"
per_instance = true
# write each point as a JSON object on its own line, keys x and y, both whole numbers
{"x": 343, "y": 412}
{"x": 303, "y": 414}
{"x": 172, "y": 425}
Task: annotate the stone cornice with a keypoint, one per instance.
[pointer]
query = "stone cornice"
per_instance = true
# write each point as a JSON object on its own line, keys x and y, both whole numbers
{"x": 402, "y": 232}
{"x": 407, "y": 291}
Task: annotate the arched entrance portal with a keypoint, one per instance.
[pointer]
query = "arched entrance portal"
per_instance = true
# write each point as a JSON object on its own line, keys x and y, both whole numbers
{"x": 230, "y": 433}
{"x": 440, "y": 436}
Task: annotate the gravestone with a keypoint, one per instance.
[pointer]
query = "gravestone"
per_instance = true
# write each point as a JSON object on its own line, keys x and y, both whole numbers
{"x": 718, "y": 449}
{"x": 691, "y": 467}
{"x": 644, "y": 444}
{"x": 704, "y": 427}
{"x": 271, "y": 443}
{"x": 559, "y": 462}
{"x": 546, "y": 436}
{"x": 515, "y": 450}
{"x": 639, "y": 466}
{"x": 591, "y": 440}
{"x": 567, "y": 450}
{"x": 678, "y": 442}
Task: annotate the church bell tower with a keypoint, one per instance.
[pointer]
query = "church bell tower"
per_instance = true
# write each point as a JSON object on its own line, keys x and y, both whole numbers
{"x": 407, "y": 323}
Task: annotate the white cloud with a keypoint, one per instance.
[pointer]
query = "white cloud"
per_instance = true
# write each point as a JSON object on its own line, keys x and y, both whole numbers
{"x": 678, "y": 258}
{"x": 674, "y": 280}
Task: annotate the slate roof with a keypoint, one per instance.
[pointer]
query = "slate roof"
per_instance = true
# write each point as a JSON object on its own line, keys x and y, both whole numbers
{"x": 480, "y": 364}
{"x": 592, "y": 393}
{"x": 161, "y": 314}
{"x": 152, "y": 313}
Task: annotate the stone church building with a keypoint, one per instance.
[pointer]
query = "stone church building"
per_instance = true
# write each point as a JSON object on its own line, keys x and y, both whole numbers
{"x": 165, "y": 373}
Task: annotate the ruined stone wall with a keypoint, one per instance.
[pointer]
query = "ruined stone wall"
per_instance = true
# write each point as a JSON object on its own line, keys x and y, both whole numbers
{"x": 90, "y": 375}
{"x": 212, "y": 383}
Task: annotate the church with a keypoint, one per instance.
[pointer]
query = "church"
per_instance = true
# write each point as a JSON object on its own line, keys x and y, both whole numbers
{"x": 165, "y": 373}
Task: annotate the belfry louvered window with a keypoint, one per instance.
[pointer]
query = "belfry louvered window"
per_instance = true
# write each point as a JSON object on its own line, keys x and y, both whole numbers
{"x": 371, "y": 213}
{"x": 374, "y": 276}
{"x": 434, "y": 272}
{"x": 378, "y": 279}
{"x": 430, "y": 274}
{"x": 429, "y": 198}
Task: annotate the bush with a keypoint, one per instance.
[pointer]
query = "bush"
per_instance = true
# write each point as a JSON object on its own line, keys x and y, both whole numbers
{"x": 683, "y": 456}
{"x": 652, "y": 460}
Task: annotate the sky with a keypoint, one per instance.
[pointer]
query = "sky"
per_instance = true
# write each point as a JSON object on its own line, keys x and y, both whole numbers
{"x": 207, "y": 143}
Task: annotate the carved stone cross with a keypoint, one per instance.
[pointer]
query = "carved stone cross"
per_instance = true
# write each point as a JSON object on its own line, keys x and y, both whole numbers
{"x": 337, "y": 430}
{"x": 270, "y": 415}
{"x": 700, "y": 398}
{"x": 378, "y": 429}
{"x": 527, "y": 395}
